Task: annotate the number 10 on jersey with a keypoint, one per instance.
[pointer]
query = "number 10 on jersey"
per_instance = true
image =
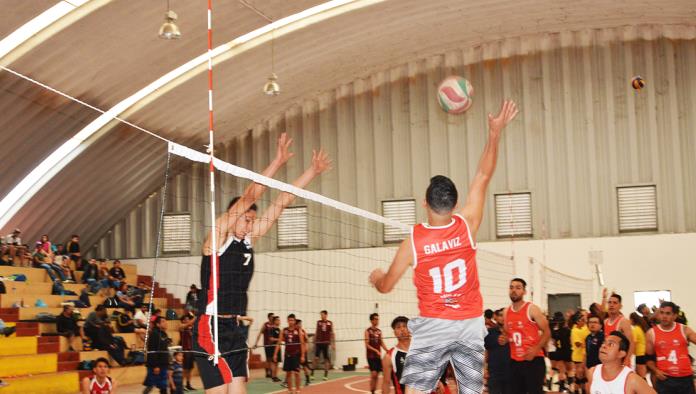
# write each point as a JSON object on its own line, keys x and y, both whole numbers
{"x": 445, "y": 277}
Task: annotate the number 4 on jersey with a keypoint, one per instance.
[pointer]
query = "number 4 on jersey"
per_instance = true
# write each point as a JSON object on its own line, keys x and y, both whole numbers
{"x": 448, "y": 274}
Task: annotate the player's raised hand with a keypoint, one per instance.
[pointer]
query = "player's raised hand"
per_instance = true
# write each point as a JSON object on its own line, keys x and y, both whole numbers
{"x": 507, "y": 113}
{"x": 283, "y": 153}
{"x": 376, "y": 276}
{"x": 320, "y": 161}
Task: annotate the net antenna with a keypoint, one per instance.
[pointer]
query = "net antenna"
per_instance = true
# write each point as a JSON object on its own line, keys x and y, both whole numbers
{"x": 214, "y": 229}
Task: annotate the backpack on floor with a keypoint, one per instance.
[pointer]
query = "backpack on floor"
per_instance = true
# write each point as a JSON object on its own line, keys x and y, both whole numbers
{"x": 45, "y": 317}
{"x": 85, "y": 365}
{"x": 171, "y": 315}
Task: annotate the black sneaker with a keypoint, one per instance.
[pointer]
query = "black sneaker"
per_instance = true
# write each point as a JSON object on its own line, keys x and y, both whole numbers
{"x": 9, "y": 331}
{"x": 189, "y": 387}
{"x": 275, "y": 379}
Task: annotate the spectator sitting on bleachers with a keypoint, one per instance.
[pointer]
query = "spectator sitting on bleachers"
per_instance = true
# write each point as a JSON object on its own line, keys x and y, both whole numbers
{"x": 59, "y": 289}
{"x": 122, "y": 298}
{"x": 101, "y": 382}
{"x": 158, "y": 357}
{"x": 90, "y": 276}
{"x": 42, "y": 260}
{"x": 140, "y": 317}
{"x": 155, "y": 314}
{"x": 73, "y": 249}
{"x": 98, "y": 329}
{"x": 67, "y": 269}
{"x": 137, "y": 293}
{"x": 14, "y": 245}
{"x": 66, "y": 326}
{"x": 84, "y": 297}
{"x": 126, "y": 324}
{"x": 103, "y": 277}
{"x": 47, "y": 246}
{"x": 116, "y": 275}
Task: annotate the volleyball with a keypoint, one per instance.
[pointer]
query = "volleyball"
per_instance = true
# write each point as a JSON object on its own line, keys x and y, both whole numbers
{"x": 638, "y": 82}
{"x": 454, "y": 94}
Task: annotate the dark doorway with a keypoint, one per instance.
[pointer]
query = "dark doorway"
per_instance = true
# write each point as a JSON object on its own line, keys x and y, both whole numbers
{"x": 564, "y": 301}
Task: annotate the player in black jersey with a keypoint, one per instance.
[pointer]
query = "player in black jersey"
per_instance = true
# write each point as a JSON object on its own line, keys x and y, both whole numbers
{"x": 235, "y": 232}
{"x": 393, "y": 361}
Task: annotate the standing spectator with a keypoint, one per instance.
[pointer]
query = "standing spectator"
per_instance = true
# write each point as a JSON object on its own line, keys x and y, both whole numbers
{"x": 186, "y": 338}
{"x": 192, "y": 299}
{"x": 73, "y": 249}
{"x": 176, "y": 379}
{"x": 268, "y": 347}
{"x": 498, "y": 357}
{"x": 116, "y": 275}
{"x": 66, "y": 326}
{"x": 639, "y": 327}
{"x": 593, "y": 342}
{"x": 101, "y": 382}
{"x": 158, "y": 357}
{"x": 561, "y": 358}
{"x": 578, "y": 334}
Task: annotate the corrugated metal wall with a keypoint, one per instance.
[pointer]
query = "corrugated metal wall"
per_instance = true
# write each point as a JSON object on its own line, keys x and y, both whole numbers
{"x": 582, "y": 132}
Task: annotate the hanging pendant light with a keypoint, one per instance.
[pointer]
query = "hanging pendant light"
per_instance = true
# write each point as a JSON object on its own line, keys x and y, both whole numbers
{"x": 271, "y": 87}
{"x": 169, "y": 29}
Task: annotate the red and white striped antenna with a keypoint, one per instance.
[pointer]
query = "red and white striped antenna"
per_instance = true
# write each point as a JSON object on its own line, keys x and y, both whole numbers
{"x": 213, "y": 254}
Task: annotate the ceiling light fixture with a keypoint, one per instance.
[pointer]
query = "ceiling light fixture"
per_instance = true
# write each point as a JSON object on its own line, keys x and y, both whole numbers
{"x": 271, "y": 87}
{"x": 169, "y": 30}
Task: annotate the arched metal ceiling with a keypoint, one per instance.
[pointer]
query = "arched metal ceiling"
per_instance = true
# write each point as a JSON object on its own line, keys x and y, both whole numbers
{"x": 113, "y": 51}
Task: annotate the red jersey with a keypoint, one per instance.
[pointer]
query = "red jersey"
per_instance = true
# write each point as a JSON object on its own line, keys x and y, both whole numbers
{"x": 323, "y": 333}
{"x": 672, "y": 351}
{"x": 291, "y": 337}
{"x": 268, "y": 333}
{"x": 445, "y": 272}
{"x": 374, "y": 336}
{"x": 522, "y": 331}
{"x": 612, "y": 326}
{"x": 96, "y": 388}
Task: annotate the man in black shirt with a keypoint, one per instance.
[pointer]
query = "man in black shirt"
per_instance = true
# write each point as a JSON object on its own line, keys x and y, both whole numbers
{"x": 73, "y": 249}
{"x": 116, "y": 275}
{"x": 236, "y": 230}
{"x": 157, "y": 357}
{"x": 66, "y": 326}
{"x": 594, "y": 341}
{"x": 497, "y": 357}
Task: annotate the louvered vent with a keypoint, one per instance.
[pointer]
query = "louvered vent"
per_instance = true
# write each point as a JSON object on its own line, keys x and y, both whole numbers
{"x": 176, "y": 233}
{"x": 403, "y": 211}
{"x": 293, "y": 227}
{"x": 513, "y": 215}
{"x": 637, "y": 208}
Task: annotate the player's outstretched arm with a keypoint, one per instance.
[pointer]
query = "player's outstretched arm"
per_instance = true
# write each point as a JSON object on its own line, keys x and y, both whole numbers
{"x": 473, "y": 208}
{"x": 385, "y": 282}
{"x": 320, "y": 164}
{"x": 224, "y": 222}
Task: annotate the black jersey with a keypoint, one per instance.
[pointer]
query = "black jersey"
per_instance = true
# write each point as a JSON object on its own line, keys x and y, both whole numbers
{"x": 235, "y": 269}
{"x": 398, "y": 358}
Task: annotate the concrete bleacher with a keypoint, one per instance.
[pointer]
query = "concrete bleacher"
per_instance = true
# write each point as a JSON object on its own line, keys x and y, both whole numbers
{"x": 34, "y": 359}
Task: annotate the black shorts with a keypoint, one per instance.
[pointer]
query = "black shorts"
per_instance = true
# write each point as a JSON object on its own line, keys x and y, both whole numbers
{"x": 560, "y": 355}
{"x": 528, "y": 376}
{"x": 233, "y": 349}
{"x": 269, "y": 350}
{"x": 322, "y": 349}
{"x": 375, "y": 364}
{"x": 640, "y": 360}
{"x": 189, "y": 358}
{"x": 672, "y": 385}
{"x": 291, "y": 363}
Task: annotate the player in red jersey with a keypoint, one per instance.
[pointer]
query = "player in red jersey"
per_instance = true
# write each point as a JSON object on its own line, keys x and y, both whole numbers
{"x": 667, "y": 350}
{"x": 100, "y": 383}
{"x": 268, "y": 347}
{"x": 373, "y": 349}
{"x": 323, "y": 337}
{"x": 295, "y": 349}
{"x": 616, "y": 321}
{"x": 443, "y": 255}
{"x": 527, "y": 331}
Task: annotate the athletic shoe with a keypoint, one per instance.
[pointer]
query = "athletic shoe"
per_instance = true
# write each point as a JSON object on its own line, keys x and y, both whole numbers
{"x": 189, "y": 387}
{"x": 3, "y": 384}
{"x": 275, "y": 379}
{"x": 284, "y": 385}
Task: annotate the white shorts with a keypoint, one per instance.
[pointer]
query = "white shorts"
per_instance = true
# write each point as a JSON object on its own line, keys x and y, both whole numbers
{"x": 438, "y": 342}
